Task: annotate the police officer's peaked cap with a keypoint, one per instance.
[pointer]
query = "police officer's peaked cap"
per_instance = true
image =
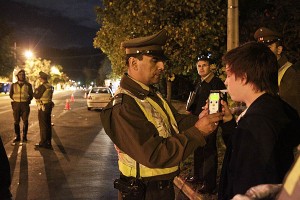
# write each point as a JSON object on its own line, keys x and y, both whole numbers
{"x": 151, "y": 45}
{"x": 267, "y": 36}
{"x": 43, "y": 75}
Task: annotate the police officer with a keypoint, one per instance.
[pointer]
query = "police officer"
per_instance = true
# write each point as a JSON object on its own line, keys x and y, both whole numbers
{"x": 288, "y": 74}
{"x": 43, "y": 95}
{"x": 150, "y": 136}
{"x": 21, "y": 94}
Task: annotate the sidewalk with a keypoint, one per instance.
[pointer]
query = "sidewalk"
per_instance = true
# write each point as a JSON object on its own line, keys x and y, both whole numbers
{"x": 185, "y": 187}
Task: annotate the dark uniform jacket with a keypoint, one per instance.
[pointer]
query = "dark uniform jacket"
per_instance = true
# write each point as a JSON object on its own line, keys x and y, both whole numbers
{"x": 202, "y": 92}
{"x": 289, "y": 89}
{"x": 125, "y": 123}
{"x": 260, "y": 148}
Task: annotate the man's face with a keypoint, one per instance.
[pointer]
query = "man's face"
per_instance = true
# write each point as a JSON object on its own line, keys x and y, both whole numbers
{"x": 203, "y": 68}
{"x": 234, "y": 85}
{"x": 21, "y": 76}
{"x": 273, "y": 48}
{"x": 149, "y": 69}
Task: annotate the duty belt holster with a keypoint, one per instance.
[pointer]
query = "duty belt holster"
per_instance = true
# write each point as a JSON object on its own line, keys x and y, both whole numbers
{"x": 133, "y": 188}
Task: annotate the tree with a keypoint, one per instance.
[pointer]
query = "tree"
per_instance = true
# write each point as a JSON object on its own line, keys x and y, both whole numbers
{"x": 34, "y": 66}
{"x": 7, "y": 58}
{"x": 279, "y": 15}
{"x": 193, "y": 26}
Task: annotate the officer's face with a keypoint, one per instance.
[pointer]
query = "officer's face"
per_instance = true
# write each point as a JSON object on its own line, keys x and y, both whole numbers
{"x": 21, "y": 76}
{"x": 203, "y": 68}
{"x": 149, "y": 69}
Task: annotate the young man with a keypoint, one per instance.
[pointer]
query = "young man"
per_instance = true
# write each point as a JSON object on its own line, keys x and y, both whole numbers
{"x": 260, "y": 145}
{"x": 205, "y": 158}
{"x": 150, "y": 136}
{"x": 43, "y": 95}
{"x": 288, "y": 74}
{"x": 21, "y": 94}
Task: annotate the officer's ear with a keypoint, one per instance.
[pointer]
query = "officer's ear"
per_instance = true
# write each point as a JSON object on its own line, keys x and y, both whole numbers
{"x": 133, "y": 63}
{"x": 279, "y": 50}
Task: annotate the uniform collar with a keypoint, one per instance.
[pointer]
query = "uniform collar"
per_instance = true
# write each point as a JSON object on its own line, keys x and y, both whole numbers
{"x": 137, "y": 88}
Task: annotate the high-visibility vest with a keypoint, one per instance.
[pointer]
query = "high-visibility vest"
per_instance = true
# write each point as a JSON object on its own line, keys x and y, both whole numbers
{"x": 20, "y": 93}
{"x": 282, "y": 71}
{"x": 154, "y": 113}
{"x": 47, "y": 95}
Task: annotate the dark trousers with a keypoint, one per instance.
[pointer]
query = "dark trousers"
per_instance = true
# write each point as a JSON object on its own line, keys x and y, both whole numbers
{"x": 20, "y": 110}
{"x": 45, "y": 124}
{"x": 206, "y": 161}
{"x": 157, "y": 190}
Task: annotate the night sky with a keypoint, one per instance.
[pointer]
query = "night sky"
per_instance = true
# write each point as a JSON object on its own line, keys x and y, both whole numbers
{"x": 59, "y": 30}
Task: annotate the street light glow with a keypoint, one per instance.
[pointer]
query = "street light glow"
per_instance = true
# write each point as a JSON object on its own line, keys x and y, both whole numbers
{"x": 28, "y": 54}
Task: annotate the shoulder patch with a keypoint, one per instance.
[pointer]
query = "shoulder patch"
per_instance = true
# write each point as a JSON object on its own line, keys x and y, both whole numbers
{"x": 117, "y": 99}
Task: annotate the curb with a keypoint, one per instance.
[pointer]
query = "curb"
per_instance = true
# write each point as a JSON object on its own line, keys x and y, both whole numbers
{"x": 187, "y": 190}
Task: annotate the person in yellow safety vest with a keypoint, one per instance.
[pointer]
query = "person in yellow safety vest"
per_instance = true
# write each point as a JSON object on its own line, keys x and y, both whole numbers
{"x": 43, "y": 95}
{"x": 21, "y": 94}
{"x": 150, "y": 136}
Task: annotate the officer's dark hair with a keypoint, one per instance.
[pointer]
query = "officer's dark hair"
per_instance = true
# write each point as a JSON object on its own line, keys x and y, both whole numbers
{"x": 257, "y": 62}
{"x": 138, "y": 56}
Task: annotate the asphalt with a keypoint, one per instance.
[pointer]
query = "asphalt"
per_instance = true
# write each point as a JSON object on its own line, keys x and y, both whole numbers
{"x": 73, "y": 169}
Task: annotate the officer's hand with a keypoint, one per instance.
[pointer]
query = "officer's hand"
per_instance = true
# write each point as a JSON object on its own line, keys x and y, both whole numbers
{"x": 207, "y": 123}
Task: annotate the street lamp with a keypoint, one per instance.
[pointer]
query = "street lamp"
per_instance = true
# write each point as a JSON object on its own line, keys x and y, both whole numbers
{"x": 28, "y": 54}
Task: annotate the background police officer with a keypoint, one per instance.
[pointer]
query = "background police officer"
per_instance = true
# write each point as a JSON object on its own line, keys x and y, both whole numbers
{"x": 288, "y": 73}
{"x": 21, "y": 94}
{"x": 43, "y": 95}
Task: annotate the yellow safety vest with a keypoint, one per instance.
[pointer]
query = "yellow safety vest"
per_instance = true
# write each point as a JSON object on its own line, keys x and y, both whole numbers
{"x": 282, "y": 71}
{"x": 20, "y": 93}
{"x": 47, "y": 95}
{"x": 158, "y": 117}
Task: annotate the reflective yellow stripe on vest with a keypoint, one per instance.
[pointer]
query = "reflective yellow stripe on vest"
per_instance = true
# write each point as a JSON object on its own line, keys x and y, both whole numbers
{"x": 282, "y": 71}
{"x": 158, "y": 117}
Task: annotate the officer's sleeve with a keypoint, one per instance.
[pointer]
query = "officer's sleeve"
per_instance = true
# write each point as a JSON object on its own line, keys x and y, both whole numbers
{"x": 30, "y": 92}
{"x": 11, "y": 91}
{"x": 126, "y": 125}
{"x": 38, "y": 93}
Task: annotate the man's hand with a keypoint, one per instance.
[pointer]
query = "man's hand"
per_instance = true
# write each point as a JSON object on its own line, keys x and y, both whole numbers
{"x": 208, "y": 123}
{"x": 227, "y": 114}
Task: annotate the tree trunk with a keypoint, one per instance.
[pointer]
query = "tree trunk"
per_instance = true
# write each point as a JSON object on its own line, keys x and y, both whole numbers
{"x": 169, "y": 91}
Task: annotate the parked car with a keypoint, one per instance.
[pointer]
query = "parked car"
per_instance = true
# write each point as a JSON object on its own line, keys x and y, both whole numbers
{"x": 98, "y": 97}
{"x": 5, "y": 87}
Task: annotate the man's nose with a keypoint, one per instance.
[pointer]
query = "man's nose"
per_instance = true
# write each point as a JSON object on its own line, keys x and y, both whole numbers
{"x": 160, "y": 65}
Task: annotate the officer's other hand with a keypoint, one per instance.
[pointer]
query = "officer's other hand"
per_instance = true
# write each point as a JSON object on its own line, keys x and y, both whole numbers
{"x": 207, "y": 123}
{"x": 227, "y": 113}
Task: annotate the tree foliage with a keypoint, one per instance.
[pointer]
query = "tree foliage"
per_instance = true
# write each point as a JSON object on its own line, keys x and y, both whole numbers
{"x": 282, "y": 16}
{"x": 193, "y": 26}
{"x": 7, "y": 58}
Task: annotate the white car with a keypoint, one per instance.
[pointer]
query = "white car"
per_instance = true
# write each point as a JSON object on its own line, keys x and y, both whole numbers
{"x": 98, "y": 97}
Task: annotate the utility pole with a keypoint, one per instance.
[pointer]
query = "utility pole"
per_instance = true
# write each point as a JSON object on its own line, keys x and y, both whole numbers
{"x": 232, "y": 24}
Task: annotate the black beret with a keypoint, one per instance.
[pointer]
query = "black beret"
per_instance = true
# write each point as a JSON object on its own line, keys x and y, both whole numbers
{"x": 265, "y": 35}
{"x": 151, "y": 45}
{"x": 43, "y": 75}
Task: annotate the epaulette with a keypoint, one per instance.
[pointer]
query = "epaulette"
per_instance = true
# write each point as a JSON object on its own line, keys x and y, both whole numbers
{"x": 118, "y": 98}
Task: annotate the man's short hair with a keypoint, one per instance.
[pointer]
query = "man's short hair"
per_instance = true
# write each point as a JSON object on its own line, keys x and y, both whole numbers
{"x": 259, "y": 64}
